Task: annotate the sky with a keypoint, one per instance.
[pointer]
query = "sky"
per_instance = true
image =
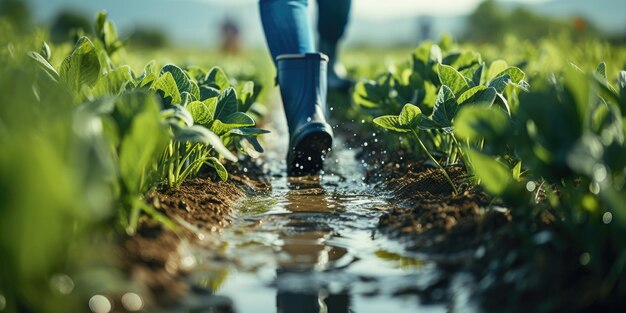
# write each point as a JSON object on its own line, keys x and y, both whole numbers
{"x": 384, "y": 9}
{"x": 196, "y": 22}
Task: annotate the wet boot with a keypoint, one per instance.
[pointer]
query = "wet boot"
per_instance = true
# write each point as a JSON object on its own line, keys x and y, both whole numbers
{"x": 302, "y": 80}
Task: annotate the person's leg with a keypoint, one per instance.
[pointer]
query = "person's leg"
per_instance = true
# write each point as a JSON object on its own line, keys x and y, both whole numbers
{"x": 287, "y": 27}
{"x": 302, "y": 81}
{"x": 332, "y": 19}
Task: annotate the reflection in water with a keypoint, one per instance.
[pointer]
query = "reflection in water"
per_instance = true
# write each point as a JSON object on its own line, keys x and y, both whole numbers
{"x": 307, "y": 250}
{"x": 312, "y": 246}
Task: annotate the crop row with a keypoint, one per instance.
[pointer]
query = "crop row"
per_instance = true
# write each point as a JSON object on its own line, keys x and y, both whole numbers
{"x": 85, "y": 141}
{"x": 553, "y": 147}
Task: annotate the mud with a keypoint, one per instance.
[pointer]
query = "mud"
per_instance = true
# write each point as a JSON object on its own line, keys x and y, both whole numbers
{"x": 153, "y": 257}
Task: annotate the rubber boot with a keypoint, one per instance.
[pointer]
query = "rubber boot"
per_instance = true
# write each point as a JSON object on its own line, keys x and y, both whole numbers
{"x": 302, "y": 80}
{"x": 337, "y": 80}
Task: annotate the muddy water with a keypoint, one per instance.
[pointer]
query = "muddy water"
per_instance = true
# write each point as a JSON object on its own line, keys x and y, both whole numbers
{"x": 311, "y": 245}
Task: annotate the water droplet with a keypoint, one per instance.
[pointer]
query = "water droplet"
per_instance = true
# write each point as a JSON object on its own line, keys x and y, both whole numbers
{"x": 331, "y": 108}
{"x": 62, "y": 283}
{"x": 373, "y": 134}
{"x": 585, "y": 258}
{"x": 362, "y": 121}
{"x": 100, "y": 304}
{"x": 599, "y": 173}
{"x": 365, "y": 144}
{"x": 132, "y": 302}
{"x": 531, "y": 186}
{"x": 376, "y": 140}
{"x": 594, "y": 188}
{"x": 308, "y": 119}
{"x": 188, "y": 262}
{"x": 607, "y": 217}
{"x": 309, "y": 158}
{"x": 245, "y": 169}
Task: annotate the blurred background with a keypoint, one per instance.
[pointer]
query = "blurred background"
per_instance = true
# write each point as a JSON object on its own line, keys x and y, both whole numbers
{"x": 234, "y": 24}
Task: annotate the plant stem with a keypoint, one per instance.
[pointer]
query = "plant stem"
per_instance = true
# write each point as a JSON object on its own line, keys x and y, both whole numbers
{"x": 461, "y": 154}
{"x": 456, "y": 191}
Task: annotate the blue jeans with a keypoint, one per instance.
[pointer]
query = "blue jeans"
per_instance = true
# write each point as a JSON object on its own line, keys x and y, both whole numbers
{"x": 288, "y": 27}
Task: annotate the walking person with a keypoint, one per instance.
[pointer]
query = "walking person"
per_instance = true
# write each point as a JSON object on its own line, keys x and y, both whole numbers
{"x": 304, "y": 74}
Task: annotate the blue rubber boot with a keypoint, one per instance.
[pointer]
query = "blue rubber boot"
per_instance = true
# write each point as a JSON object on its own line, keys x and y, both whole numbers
{"x": 302, "y": 80}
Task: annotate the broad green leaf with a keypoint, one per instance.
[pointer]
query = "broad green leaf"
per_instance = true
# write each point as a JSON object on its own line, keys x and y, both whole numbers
{"x": 101, "y": 18}
{"x": 474, "y": 123}
{"x": 477, "y": 77}
{"x": 44, "y": 65}
{"x": 113, "y": 82}
{"x": 517, "y": 171}
{"x": 470, "y": 72}
{"x": 200, "y": 112}
{"x": 500, "y": 83}
{"x": 515, "y": 73}
{"x": 167, "y": 85}
{"x": 140, "y": 147}
{"x": 453, "y": 79}
{"x": 239, "y": 119}
{"x": 409, "y": 116}
{"x": 235, "y": 120}
{"x": 445, "y": 107}
{"x": 81, "y": 67}
{"x": 254, "y": 142}
{"x": 247, "y": 94}
{"x": 45, "y": 51}
{"x": 390, "y": 122}
{"x": 496, "y": 67}
{"x": 199, "y": 134}
{"x": 177, "y": 115}
{"x": 148, "y": 69}
{"x": 422, "y": 52}
{"x": 219, "y": 168}
{"x": 436, "y": 55}
{"x": 478, "y": 95}
{"x": 183, "y": 82}
{"x": 186, "y": 98}
{"x": 216, "y": 78}
{"x": 226, "y": 103}
{"x": 196, "y": 73}
{"x": 208, "y": 92}
{"x": 470, "y": 93}
{"x": 467, "y": 59}
{"x": 601, "y": 70}
{"x": 494, "y": 176}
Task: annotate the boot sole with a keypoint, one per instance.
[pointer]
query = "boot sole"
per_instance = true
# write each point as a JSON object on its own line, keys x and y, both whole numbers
{"x": 307, "y": 157}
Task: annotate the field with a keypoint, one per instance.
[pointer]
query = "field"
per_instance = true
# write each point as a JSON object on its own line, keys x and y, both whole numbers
{"x": 464, "y": 177}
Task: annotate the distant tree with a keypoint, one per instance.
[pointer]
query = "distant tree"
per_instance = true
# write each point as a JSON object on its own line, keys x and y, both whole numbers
{"x": 148, "y": 37}
{"x": 489, "y": 23}
{"x": 16, "y": 11}
{"x": 68, "y": 24}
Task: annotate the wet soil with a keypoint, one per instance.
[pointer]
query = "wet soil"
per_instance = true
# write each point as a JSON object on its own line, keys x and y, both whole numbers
{"x": 526, "y": 264}
{"x": 465, "y": 244}
{"x": 156, "y": 258}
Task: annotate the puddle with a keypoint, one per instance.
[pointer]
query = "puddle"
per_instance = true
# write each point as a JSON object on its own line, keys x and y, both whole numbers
{"x": 312, "y": 246}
